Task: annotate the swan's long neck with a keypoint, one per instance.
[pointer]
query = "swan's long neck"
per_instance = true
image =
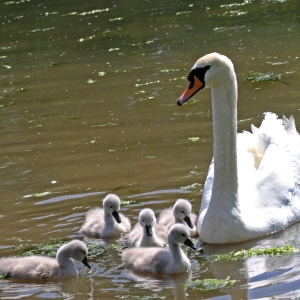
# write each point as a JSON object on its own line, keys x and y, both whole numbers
{"x": 109, "y": 220}
{"x": 63, "y": 258}
{"x": 224, "y": 104}
{"x": 176, "y": 252}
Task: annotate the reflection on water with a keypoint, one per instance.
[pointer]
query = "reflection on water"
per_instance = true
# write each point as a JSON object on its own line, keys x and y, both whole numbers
{"x": 88, "y": 106}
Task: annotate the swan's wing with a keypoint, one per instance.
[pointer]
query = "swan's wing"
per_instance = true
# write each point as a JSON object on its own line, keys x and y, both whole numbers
{"x": 125, "y": 222}
{"x": 278, "y": 181}
{"x": 289, "y": 125}
{"x": 135, "y": 234}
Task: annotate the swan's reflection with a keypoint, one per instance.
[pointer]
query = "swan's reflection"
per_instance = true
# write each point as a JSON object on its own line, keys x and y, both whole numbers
{"x": 65, "y": 288}
{"x": 157, "y": 282}
{"x": 261, "y": 276}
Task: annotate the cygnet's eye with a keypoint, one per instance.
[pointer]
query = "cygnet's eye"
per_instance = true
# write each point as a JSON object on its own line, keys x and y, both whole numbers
{"x": 143, "y": 221}
{"x": 182, "y": 234}
{"x": 182, "y": 211}
{"x": 110, "y": 206}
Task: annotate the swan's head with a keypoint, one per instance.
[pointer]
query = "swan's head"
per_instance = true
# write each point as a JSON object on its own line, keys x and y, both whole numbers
{"x": 111, "y": 205}
{"x": 182, "y": 210}
{"x": 76, "y": 250}
{"x": 211, "y": 71}
{"x": 147, "y": 220}
{"x": 179, "y": 234}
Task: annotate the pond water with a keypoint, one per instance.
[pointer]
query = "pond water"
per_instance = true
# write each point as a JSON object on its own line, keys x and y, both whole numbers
{"x": 88, "y": 107}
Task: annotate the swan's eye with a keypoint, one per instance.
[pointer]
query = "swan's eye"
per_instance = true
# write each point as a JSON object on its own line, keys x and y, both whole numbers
{"x": 110, "y": 206}
{"x": 182, "y": 211}
{"x": 182, "y": 234}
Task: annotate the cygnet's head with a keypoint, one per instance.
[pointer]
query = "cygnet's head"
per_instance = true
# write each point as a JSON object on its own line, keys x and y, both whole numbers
{"x": 182, "y": 210}
{"x": 147, "y": 220}
{"x": 180, "y": 234}
{"x": 76, "y": 250}
{"x": 111, "y": 204}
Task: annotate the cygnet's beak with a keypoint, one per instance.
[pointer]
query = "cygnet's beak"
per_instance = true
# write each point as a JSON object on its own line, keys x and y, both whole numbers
{"x": 86, "y": 262}
{"x": 190, "y": 244}
{"x": 116, "y": 216}
{"x": 149, "y": 230}
{"x": 188, "y": 221}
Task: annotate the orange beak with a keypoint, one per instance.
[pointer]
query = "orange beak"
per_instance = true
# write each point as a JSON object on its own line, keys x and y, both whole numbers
{"x": 189, "y": 92}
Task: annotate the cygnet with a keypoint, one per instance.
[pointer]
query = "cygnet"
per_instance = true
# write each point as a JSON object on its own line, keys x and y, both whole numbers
{"x": 180, "y": 213}
{"x": 155, "y": 259}
{"x": 43, "y": 267}
{"x": 143, "y": 233}
{"x": 106, "y": 221}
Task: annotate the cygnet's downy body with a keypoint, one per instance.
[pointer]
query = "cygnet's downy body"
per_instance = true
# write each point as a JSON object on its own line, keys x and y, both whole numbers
{"x": 144, "y": 233}
{"x": 43, "y": 267}
{"x": 180, "y": 213}
{"x": 106, "y": 221}
{"x": 162, "y": 260}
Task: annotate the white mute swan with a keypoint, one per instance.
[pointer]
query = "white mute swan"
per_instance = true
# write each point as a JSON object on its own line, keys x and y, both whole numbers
{"x": 143, "y": 233}
{"x": 253, "y": 183}
{"x": 106, "y": 222}
{"x": 180, "y": 213}
{"x": 43, "y": 267}
{"x": 155, "y": 259}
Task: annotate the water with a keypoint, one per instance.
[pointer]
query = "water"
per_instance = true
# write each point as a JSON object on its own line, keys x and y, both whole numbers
{"x": 88, "y": 106}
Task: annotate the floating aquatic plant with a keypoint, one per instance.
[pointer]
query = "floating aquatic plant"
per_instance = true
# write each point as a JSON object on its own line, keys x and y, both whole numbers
{"x": 243, "y": 254}
{"x": 205, "y": 285}
{"x": 7, "y": 104}
{"x": 95, "y": 11}
{"x": 147, "y": 83}
{"x": 90, "y": 81}
{"x": 50, "y": 248}
{"x": 36, "y": 195}
{"x": 193, "y": 139}
{"x": 127, "y": 201}
{"x": 7, "y": 66}
{"x": 191, "y": 186}
{"x": 261, "y": 77}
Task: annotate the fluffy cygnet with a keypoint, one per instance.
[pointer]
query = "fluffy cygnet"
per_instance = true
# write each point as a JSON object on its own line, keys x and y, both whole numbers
{"x": 143, "y": 233}
{"x": 43, "y": 267}
{"x": 180, "y": 213}
{"x": 100, "y": 223}
{"x": 154, "y": 259}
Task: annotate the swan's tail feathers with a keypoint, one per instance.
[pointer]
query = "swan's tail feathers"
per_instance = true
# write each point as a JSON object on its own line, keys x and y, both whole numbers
{"x": 289, "y": 125}
{"x": 248, "y": 140}
{"x": 269, "y": 116}
{"x": 254, "y": 129}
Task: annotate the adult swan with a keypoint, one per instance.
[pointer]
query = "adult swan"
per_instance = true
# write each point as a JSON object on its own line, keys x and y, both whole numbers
{"x": 253, "y": 184}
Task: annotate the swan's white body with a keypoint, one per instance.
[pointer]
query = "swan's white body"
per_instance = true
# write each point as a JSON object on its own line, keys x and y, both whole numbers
{"x": 181, "y": 210}
{"x": 106, "y": 221}
{"x": 43, "y": 267}
{"x": 144, "y": 233}
{"x": 253, "y": 183}
{"x": 159, "y": 260}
